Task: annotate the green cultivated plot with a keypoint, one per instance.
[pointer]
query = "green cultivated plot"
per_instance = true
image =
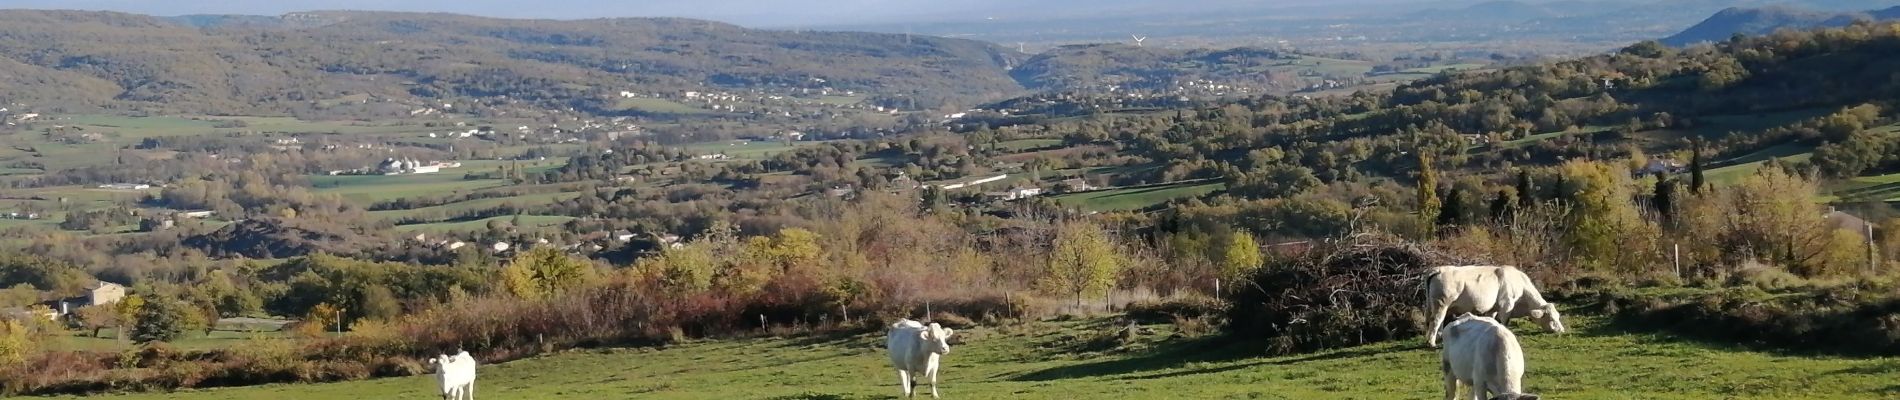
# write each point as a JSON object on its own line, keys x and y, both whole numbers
{"x": 747, "y": 149}
{"x": 528, "y": 222}
{"x": 366, "y": 189}
{"x": 1050, "y": 360}
{"x": 1136, "y": 197}
{"x": 1028, "y": 144}
{"x": 1442, "y": 68}
{"x": 474, "y": 205}
{"x": 660, "y": 106}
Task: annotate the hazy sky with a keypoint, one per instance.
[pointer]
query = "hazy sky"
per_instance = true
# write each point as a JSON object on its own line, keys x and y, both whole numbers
{"x": 747, "y": 12}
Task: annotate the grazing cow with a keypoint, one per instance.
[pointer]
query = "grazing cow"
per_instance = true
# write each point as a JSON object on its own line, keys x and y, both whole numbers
{"x": 1483, "y": 355}
{"x": 456, "y": 374}
{"x": 916, "y": 350}
{"x": 1501, "y": 292}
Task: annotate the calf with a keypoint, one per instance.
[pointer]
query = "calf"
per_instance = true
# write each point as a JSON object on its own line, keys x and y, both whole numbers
{"x": 1483, "y": 355}
{"x": 916, "y": 349}
{"x": 456, "y": 375}
{"x": 1501, "y": 292}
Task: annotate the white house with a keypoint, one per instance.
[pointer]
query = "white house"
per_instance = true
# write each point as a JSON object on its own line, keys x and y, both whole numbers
{"x": 1015, "y": 194}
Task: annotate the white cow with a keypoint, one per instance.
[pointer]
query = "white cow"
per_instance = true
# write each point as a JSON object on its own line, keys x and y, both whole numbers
{"x": 1501, "y": 292}
{"x": 916, "y": 350}
{"x": 1483, "y": 355}
{"x": 456, "y": 374}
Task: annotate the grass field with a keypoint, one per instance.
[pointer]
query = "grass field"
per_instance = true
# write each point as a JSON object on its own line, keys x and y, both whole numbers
{"x": 1027, "y": 144}
{"x": 840, "y": 100}
{"x": 1442, "y": 68}
{"x": 366, "y": 189}
{"x": 472, "y": 205}
{"x": 159, "y": 126}
{"x": 1048, "y": 360}
{"x": 746, "y": 149}
{"x": 1735, "y": 173}
{"x": 529, "y": 222}
{"x": 1136, "y": 198}
{"x": 1880, "y": 188}
{"x": 660, "y": 106}
{"x": 1534, "y": 138}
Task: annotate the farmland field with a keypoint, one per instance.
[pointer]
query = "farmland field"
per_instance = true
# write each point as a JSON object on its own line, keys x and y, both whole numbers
{"x": 142, "y": 127}
{"x": 1137, "y": 197}
{"x": 528, "y": 222}
{"x": 660, "y": 106}
{"x": 1053, "y": 360}
{"x": 473, "y": 205}
{"x": 1028, "y": 144}
{"x": 1734, "y": 173}
{"x": 1442, "y": 68}
{"x": 746, "y": 149}
{"x": 366, "y": 189}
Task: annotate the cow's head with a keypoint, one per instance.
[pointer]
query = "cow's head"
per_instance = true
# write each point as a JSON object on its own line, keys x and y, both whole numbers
{"x": 440, "y": 361}
{"x": 1548, "y": 317}
{"x": 937, "y": 338}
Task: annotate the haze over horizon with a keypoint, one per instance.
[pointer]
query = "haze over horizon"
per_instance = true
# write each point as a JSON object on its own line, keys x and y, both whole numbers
{"x": 765, "y": 13}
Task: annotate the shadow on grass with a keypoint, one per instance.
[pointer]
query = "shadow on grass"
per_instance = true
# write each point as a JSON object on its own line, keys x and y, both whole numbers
{"x": 821, "y": 396}
{"x": 1167, "y": 356}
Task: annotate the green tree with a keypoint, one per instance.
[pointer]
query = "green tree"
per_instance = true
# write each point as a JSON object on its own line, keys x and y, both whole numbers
{"x": 1240, "y": 256}
{"x": 160, "y": 320}
{"x": 16, "y": 342}
{"x": 544, "y": 272}
{"x": 1602, "y": 214}
{"x": 688, "y": 268}
{"x": 378, "y": 303}
{"x": 1083, "y": 263}
{"x": 127, "y": 311}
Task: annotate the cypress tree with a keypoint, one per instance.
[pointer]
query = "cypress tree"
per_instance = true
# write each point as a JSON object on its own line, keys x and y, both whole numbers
{"x": 1526, "y": 193}
{"x": 1428, "y": 204}
{"x": 1501, "y": 206}
{"x": 1454, "y": 208}
{"x": 1696, "y": 181}
{"x": 1665, "y": 201}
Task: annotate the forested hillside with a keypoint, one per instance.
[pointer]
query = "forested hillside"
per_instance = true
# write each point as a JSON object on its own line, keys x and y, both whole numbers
{"x": 240, "y": 66}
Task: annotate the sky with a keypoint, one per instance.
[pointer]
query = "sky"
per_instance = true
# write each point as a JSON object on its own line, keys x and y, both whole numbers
{"x": 760, "y": 13}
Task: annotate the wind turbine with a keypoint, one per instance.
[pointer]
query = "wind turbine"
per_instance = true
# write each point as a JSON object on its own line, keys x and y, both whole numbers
{"x": 1138, "y": 39}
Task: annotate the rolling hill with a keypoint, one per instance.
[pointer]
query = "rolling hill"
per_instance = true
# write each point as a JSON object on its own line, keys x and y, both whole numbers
{"x": 276, "y": 65}
{"x": 1756, "y": 21}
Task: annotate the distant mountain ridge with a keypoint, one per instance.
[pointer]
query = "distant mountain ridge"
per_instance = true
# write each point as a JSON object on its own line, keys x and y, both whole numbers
{"x": 1757, "y": 21}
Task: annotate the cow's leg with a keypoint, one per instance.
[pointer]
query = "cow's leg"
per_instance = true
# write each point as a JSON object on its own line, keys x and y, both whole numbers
{"x": 903, "y": 378}
{"x": 933, "y": 384}
{"x": 1451, "y": 386}
{"x": 1437, "y": 314}
{"x": 471, "y": 390}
